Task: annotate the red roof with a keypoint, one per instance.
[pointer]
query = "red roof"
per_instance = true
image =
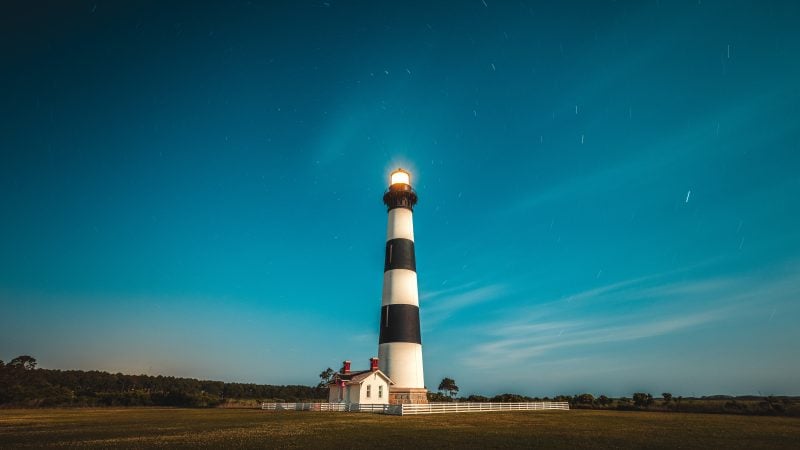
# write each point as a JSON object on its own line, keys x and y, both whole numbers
{"x": 357, "y": 377}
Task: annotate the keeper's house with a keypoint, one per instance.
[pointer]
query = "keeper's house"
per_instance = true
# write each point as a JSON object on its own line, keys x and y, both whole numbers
{"x": 363, "y": 387}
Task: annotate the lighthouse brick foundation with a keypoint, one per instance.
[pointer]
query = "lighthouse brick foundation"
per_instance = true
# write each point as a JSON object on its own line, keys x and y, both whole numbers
{"x": 400, "y": 342}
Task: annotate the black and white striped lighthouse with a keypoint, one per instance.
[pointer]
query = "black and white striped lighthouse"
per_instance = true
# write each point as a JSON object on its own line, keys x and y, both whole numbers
{"x": 400, "y": 342}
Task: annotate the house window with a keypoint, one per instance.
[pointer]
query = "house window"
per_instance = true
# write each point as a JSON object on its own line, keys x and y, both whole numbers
{"x": 380, "y": 391}
{"x": 369, "y": 390}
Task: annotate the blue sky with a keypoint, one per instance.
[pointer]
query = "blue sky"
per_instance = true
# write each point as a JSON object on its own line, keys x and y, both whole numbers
{"x": 608, "y": 190}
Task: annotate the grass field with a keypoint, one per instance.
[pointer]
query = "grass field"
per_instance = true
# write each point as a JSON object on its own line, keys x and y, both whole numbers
{"x": 152, "y": 427}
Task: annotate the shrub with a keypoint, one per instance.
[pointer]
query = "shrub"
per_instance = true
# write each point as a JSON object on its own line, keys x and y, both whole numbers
{"x": 642, "y": 399}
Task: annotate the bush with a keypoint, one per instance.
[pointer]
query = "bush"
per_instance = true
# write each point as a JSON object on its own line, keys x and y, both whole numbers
{"x": 437, "y": 397}
{"x": 642, "y": 399}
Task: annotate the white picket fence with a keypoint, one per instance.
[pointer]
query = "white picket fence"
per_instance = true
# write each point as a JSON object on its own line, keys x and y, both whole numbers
{"x": 443, "y": 408}
{"x": 349, "y": 407}
{"x": 411, "y": 409}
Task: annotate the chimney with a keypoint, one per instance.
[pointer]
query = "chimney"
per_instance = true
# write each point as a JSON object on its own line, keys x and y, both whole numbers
{"x": 373, "y": 364}
{"x": 345, "y": 367}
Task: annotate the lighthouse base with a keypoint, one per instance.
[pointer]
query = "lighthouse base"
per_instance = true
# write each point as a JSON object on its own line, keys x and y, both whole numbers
{"x": 400, "y": 396}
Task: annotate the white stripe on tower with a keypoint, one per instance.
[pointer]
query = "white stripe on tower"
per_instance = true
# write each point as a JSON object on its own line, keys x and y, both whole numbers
{"x": 400, "y": 343}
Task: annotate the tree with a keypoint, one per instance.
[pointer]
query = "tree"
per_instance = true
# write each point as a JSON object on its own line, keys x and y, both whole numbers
{"x": 667, "y": 397}
{"x": 642, "y": 399}
{"x": 448, "y": 385}
{"x": 603, "y": 400}
{"x": 562, "y": 398}
{"x": 509, "y": 398}
{"x": 23, "y": 361}
{"x": 325, "y": 377}
{"x": 438, "y": 397}
{"x": 584, "y": 399}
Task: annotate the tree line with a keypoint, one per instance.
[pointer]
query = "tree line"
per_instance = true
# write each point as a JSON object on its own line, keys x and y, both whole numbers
{"x": 643, "y": 401}
{"x": 23, "y": 384}
{"x": 640, "y": 401}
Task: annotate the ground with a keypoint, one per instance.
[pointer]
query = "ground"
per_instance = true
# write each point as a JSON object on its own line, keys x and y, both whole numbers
{"x": 151, "y": 427}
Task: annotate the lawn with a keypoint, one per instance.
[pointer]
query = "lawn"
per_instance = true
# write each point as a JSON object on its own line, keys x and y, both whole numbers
{"x": 152, "y": 427}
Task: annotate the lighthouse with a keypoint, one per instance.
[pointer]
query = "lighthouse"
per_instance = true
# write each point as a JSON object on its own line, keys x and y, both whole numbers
{"x": 400, "y": 341}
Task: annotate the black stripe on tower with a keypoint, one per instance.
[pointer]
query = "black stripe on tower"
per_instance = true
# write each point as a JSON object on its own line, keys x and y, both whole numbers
{"x": 400, "y": 323}
{"x": 400, "y": 255}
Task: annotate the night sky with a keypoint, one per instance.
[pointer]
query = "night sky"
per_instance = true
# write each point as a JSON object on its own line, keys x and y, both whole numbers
{"x": 608, "y": 190}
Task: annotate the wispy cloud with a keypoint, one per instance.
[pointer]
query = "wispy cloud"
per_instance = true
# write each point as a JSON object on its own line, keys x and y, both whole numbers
{"x": 447, "y": 291}
{"x": 444, "y": 303}
{"x": 559, "y": 335}
{"x": 608, "y": 289}
{"x": 667, "y": 307}
{"x": 454, "y": 302}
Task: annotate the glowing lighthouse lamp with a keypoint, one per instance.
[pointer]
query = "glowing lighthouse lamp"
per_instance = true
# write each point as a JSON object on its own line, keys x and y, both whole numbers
{"x": 400, "y": 342}
{"x": 400, "y": 176}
